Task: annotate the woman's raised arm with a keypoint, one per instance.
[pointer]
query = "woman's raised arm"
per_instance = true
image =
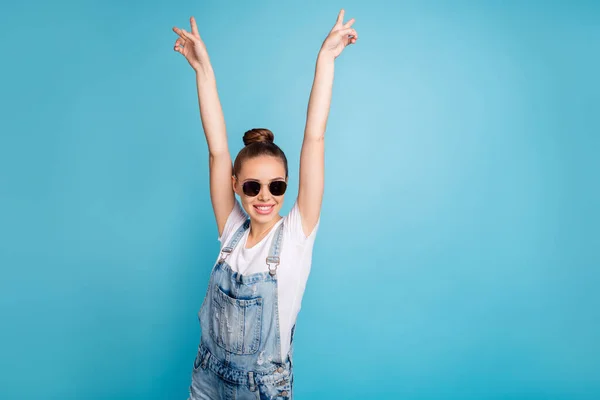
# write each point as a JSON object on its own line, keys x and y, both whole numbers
{"x": 312, "y": 156}
{"x": 191, "y": 46}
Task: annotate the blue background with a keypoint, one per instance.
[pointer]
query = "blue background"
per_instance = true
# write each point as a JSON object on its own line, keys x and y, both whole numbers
{"x": 459, "y": 252}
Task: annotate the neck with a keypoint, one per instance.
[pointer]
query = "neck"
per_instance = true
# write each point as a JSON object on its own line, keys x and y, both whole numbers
{"x": 258, "y": 230}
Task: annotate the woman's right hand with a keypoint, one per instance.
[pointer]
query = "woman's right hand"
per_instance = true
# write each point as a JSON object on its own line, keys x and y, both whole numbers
{"x": 191, "y": 46}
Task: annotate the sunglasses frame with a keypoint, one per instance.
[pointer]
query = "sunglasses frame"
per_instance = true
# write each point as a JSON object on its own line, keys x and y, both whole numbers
{"x": 264, "y": 184}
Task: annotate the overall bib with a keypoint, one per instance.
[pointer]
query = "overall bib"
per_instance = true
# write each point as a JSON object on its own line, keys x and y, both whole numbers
{"x": 239, "y": 356}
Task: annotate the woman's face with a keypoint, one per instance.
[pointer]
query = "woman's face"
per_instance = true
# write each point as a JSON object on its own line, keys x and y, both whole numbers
{"x": 264, "y": 207}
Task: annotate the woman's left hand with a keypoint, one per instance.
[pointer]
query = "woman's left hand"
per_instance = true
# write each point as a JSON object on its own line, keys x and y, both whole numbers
{"x": 341, "y": 35}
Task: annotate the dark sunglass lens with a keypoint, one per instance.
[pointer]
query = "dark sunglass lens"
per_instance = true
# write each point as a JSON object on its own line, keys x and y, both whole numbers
{"x": 277, "y": 188}
{"x": 251, "y": 188}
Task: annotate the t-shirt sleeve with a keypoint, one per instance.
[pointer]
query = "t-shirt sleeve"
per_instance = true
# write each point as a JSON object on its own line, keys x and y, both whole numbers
{"x": 235, "y": 219}
{"x": 293, "y": 226}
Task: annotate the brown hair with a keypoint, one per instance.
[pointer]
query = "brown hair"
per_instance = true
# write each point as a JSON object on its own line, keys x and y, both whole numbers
{"x": 259, "y": 142}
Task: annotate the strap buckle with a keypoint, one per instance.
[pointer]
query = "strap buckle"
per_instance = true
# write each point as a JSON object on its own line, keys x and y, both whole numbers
{"x": 227, "y": 250}
{"x": 272, "y": 260}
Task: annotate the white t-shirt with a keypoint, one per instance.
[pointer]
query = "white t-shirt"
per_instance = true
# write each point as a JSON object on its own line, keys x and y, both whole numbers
{"x": 292, "y": 272}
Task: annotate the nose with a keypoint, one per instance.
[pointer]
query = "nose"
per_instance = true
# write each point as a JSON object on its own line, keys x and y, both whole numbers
{"x": 264, "y": 193}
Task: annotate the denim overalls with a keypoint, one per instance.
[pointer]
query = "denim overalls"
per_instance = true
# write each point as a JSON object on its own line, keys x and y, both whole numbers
{"x": 239, "y": 356}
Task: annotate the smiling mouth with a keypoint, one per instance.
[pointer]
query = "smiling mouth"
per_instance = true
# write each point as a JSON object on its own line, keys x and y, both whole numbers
{"x": 264, "y": 209}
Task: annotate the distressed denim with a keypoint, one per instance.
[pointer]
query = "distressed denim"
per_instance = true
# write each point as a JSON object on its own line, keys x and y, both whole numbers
{"x": 239, "y": 356}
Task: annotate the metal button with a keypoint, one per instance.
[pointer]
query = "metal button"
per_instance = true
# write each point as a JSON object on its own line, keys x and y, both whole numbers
{"x": 280, "y": 370}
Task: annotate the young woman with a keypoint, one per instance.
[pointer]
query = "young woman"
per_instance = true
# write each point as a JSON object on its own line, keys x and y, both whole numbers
{"x": 249, "y": 312}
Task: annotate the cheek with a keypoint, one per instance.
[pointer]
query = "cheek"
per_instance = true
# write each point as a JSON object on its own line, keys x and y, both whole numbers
{"x": 280, "y": 201}
{"x": 246, "y": 204}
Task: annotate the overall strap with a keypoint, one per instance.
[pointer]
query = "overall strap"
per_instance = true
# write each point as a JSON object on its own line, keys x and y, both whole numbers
{"x": 235, "y": 240}
{"x": 273, "y": 257}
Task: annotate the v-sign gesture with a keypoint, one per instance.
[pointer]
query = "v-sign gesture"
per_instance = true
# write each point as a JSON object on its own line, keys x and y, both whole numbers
{"x": 341, "y": 35}
{"x": 191, "y": 46}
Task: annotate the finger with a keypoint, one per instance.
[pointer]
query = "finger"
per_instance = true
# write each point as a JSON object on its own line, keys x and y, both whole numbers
{"x": 349, "y": 23}
{"x": 183, "y": 33}
{"x": 188, "y": 35}
{"x": 348, "y": 32}
{"x": 179, "y": 32}
{"x": 180, "y": 43}
{"x": 340, "y": 18}
{"x": 194, "y": 27}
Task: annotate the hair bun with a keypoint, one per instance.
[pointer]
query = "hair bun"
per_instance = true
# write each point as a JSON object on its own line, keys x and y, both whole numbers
{"x": 258, "y": 135}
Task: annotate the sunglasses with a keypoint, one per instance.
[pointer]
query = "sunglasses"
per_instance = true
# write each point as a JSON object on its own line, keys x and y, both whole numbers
{"x": 252, "y": 188}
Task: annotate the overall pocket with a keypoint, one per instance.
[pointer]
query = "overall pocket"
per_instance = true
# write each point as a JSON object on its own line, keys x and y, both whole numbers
{"x": 235, "y": 324}
{"x": 197, "y": 361}
{"x": 280, "y": 390}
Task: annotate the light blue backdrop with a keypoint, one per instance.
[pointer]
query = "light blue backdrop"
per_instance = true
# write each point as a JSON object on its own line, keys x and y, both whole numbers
{"x": 458, "y": 255}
